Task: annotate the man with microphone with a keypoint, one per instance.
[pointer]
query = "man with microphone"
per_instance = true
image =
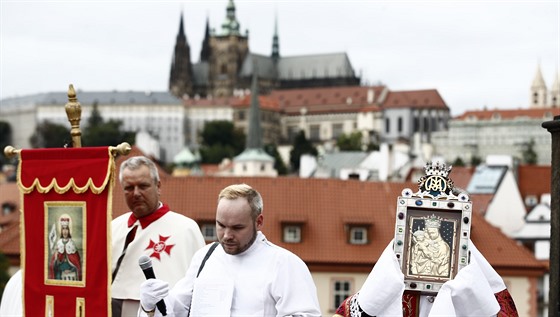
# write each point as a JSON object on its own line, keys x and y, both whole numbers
{"x": 168, "y": 239}
{"x": 245, "y": 275}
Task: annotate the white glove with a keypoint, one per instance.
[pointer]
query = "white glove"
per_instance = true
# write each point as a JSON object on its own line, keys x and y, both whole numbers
{"x": 151, "y": 292}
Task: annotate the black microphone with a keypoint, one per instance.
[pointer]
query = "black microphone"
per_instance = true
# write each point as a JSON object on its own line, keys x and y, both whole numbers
{"x": 146, "y": 265}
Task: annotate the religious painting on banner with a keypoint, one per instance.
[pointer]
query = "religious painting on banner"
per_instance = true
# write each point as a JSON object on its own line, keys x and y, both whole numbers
{"x": 432, "y": 231}
{"x": 65, "y": 236}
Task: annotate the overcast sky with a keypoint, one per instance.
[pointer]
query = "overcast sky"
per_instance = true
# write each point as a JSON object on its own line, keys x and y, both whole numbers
{"x": 475, "y": 53}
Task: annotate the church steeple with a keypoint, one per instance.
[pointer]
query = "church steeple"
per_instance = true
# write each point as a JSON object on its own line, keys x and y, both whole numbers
{"x": 254, "y": 161}
{"x": 205, "y": 51}
{"x": 254, "y": 134}
{"x": 275, "y": 42}
{"x": 538, "y": 90}
{"x": 230, "y": 25}
{"x": 180, "y": 78}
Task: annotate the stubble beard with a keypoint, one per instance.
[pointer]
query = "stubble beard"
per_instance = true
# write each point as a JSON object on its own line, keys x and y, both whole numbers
{"x": 244, "y": 247}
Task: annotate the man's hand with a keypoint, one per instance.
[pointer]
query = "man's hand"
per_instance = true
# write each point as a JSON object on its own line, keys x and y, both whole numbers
{"x": 151, "y": 292}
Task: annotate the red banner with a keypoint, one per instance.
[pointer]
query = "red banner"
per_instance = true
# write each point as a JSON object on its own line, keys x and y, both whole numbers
{"x": 65, "y": 236}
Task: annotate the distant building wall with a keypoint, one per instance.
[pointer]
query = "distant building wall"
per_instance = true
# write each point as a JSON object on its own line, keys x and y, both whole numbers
{"x": 468, "y": 137}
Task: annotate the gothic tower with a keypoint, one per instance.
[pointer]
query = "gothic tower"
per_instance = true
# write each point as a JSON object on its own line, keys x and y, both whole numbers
{"x": 180, "y": 78}
{"x": 538, "y": 90}
{"x": 228, "y": 50}
{"x": 205, "y": 51}
{"x": 275, "y": 43}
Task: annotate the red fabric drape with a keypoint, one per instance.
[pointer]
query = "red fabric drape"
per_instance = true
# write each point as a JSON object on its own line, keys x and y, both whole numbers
{"x": 65, "y": 232}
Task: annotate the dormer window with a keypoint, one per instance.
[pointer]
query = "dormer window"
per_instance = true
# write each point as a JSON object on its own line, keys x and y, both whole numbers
{"x": 357, "y": 230}
{"x": 209, "y": 232}
{"x": 292, "y": 233}
{"x": 358, "y": 235}
{"x": 292, "y": 228}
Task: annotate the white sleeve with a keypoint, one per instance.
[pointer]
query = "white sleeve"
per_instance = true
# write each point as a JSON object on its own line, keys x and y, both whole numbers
{"x": 382, "y": 291}
{"x": 12, "y": 304}
{"x": 293, "y": 288}
{"x": 180, "y": 296}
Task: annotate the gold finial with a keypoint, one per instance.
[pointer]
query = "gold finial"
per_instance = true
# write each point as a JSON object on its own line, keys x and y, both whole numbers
{"x": 74, "y": 114}
{"x": 121, "y": 149}
{"x": 10, "y": 151}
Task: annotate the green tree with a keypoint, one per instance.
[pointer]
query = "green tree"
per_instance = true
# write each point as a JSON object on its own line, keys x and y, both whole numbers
{"x": 5, "y": 140}
{"x": 301, "y": 146}
{"x": 475, "y": 160}
{"x": 458, "y": 162}
{"x": 50, "y": 135}
{"x": 279, "y": 164}
{"x": 100, "y": 133}
{"x": 350, "y": 142}
{"x": 220, "y": 140}
{"x": 528, "y": 154}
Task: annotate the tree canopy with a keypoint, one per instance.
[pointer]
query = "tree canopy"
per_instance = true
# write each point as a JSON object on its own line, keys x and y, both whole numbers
{"x": 50, "y": 135}
{"x": 220, "y": 140}
{"x": 301, "y": 146}
{"x": 5, "y": 139}
{"x": 350, "y": 142}
{"x": 97, "y": 132}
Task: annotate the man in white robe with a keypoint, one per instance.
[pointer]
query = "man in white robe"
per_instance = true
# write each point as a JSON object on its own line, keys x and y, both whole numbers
{"x": 168, "y": 238}
{"x": 246, "y": 275}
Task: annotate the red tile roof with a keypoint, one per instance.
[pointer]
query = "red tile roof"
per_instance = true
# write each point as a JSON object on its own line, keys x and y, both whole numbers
{"x": 534, "y": 113}
{"x": 325, "y": 206}
{"x": 265, "y": 102}
{"x": 534, "y": 180}
{"x": 429, "y": 98}
{"x": 326, "y": 100}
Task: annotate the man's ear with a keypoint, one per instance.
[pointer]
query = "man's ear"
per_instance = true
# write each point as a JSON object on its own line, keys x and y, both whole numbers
{"x": 260, "y": 221}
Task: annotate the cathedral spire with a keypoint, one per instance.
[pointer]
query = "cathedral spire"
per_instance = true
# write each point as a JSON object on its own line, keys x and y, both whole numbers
{"x": 205, "y": 51}
{"x": 181, "y": 33}
{"x": 254, "y": 135}
{"x": 538, "y": 90}
{"x": 180, "y": 77}
{"x": 275, "y": 41}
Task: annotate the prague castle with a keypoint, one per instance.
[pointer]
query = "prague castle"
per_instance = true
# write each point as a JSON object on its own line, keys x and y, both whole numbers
{"x": 226, "y": 65}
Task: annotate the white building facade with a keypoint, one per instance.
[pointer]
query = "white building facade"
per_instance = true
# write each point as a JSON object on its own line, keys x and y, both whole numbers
{"x": 489, "y": 132}
{"x": 159, "y": 114}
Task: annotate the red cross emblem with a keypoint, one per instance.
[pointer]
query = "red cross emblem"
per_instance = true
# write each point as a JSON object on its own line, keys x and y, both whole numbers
{"x": 159, "y": 247}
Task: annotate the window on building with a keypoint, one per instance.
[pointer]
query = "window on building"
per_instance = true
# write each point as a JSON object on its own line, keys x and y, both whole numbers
{"x": 399, "y": 124}
{"x": 415, "y": 124}
{"x": 209, "y": 232}
{"x": 337, "y": 130}
{"x": 314, "y": 132}
{"x": 358, "y": 235}
{"x": 241, "y": 115}
{"x": 387, "y": 125}
{"x": 340, "y": 290}
{"x": 292, "y": 233}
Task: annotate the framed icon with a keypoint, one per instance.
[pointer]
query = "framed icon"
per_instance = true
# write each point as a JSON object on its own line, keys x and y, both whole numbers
{"x": 65, "y": 252}
{"x": 432, "y": 231}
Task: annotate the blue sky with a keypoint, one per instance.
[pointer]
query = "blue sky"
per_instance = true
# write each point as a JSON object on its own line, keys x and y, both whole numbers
{"x": 476, "y": 53}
